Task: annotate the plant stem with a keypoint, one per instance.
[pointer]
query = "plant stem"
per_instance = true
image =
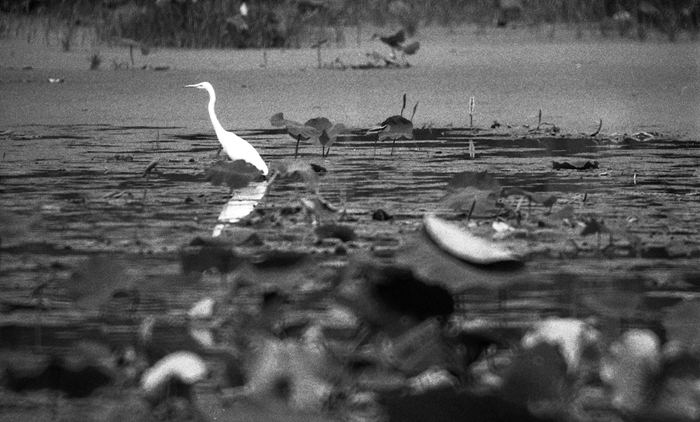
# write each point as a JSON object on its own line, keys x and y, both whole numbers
{"x": 471, "y": 210}
{"x": 145, "y": 191}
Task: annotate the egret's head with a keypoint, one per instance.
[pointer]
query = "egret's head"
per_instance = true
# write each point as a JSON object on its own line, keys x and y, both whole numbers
{"x": 201, "y": 85}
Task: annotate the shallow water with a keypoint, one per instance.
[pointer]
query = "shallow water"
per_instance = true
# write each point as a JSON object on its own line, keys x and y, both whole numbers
{"x": 88, "y": 197}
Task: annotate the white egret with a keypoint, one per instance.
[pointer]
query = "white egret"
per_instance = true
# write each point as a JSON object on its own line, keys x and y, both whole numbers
{"x": 236, "y": 147}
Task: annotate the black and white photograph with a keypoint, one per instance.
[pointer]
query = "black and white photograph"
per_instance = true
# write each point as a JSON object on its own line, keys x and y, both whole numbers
{"x": 350, "y": 210}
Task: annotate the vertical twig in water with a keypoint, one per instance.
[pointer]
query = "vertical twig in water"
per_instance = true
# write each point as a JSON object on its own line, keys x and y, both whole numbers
{"x": 318, "y": 56}
{"x": 145, "y": 190}
{"x": 39, "y": 317}
{"x": 471, "y": 112}
{"x": 147, "y": 175}
{"x": 296, "y": 149}
{"x": 317, "y": 46}
{"x": 471, "y": 210}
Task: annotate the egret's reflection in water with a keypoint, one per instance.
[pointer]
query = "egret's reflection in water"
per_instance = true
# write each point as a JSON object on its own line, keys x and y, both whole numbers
{"x": 241, "y": 204}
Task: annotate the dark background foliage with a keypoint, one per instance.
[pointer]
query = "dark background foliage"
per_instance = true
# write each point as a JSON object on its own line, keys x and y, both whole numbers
{"x": 286, "y": 23}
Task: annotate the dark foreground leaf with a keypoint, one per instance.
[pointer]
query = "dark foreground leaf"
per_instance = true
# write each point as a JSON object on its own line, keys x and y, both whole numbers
{"x": 682, "y": 323}
{"x": 199, "y": 259}
{"x": 93, "y": 284}
{"x": 450, "y": 405}
{"x": 390, "y": 297}
{"x": 431, "y": 264}
{"x": 76, "y": 373}
{"x": 337, "y": 231}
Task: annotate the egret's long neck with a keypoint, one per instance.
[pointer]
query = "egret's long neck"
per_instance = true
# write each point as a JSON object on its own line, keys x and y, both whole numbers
{"x": 212, "y": 114}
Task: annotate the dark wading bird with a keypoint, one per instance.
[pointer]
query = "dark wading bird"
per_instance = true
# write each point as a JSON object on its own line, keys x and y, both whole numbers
{"x": 395, "y": 127}
{"x": 236, "y": 147}
{"x": 396, "y": 42}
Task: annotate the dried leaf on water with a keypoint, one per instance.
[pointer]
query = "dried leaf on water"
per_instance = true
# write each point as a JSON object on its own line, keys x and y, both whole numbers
{"x": 464, "y": 245}
{"x": 565, "y": 165}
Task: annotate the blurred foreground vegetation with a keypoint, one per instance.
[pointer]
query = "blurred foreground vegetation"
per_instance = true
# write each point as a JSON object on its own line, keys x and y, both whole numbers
{"x": 290, "y": 23}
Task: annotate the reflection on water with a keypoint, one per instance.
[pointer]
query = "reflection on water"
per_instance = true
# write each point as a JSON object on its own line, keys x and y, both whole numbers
{"x": 241, "y": 204}
{"x": 88, "y": 199}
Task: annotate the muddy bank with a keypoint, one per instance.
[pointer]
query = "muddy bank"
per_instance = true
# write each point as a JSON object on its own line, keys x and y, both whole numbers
{"x": 632, "y": 86}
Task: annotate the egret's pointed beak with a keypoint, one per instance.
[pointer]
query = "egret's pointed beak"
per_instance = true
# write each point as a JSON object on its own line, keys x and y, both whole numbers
{"x": 190, "y": 86}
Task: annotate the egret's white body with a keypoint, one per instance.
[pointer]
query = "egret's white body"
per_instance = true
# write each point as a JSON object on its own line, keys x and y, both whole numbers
{"x": 236, "y": 147}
